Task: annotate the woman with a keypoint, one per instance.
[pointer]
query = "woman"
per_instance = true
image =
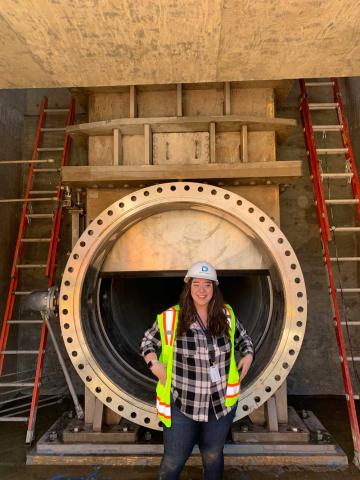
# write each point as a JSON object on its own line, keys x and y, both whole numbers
{"x": 199, "y": 383}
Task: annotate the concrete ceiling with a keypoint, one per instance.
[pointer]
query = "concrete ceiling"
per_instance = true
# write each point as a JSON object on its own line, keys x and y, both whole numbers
{"x": 53, "y": 43}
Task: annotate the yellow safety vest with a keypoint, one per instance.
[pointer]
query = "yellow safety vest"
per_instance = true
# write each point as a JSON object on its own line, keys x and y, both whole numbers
{"x": 167, "y": 322}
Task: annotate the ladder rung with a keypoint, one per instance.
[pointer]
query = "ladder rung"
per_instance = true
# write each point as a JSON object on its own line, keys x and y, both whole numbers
{"x": 327, "y": 128}
{"x": 53, "y": 129}
{"x": 29, "y": 200}
{"x": 19, "y": 352}
{"x": 323, "y": 106}
{"x": 40, "y": 215}
{"x": 348, "y": 290}
{"x": 345, "y": 259}
{"x": 10, "y": 162}
{"x": 19, "y": 292}
{"x": 342, "y": 201}
{"x": 35, "y": 240}
{"x": 345, "y": 229}
{"x": 331, "y": 151}
{"x": 31, "y": 265}
{"x": 356, "y": 397}
{"x": 56, "y": 110}
{"x": 50, "y": 149}
{"x": 319, "y": 84}
{"x": 350, "y": 323}
{"x": 46, "y": 170}
{"x": 26, "y": 322}
{"x": 16, "y": 384}
{"x": 353, "y": 359}
{"x": 39, "y": 192}
{"x": 337, "y": 175}
{"x": 14, "y": 419}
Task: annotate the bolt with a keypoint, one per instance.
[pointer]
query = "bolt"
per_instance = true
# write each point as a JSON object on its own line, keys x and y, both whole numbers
{"x": 244, "y": 428}
{"x": 147, "y": 436}
{"x": 53, "y": 436}
{"x": 76, "y": 430}
{"x": 125, "y": 429}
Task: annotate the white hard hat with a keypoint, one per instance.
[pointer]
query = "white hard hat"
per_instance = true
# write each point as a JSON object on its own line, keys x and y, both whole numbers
{"x": 202, "y": 270}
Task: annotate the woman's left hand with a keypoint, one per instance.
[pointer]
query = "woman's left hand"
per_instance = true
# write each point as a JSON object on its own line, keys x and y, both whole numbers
{"x": 245, "y": 364}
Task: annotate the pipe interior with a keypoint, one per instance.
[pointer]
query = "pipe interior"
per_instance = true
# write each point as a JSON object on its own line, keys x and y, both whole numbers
{"x": 117, "y": 309}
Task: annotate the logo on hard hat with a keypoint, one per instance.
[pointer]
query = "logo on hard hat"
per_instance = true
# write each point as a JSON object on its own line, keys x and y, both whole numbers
{"x": 204, "y": 268}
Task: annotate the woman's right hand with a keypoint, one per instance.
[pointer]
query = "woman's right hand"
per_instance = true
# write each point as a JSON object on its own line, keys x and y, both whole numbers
{"x": 159, "y": 370}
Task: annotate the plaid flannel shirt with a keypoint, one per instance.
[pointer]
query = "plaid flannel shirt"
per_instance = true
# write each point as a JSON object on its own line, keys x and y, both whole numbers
{"x": 192, "y": 389}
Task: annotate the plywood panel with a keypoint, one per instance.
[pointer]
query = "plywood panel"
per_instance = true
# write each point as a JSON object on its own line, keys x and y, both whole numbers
{"x": 107, "y": 106}
{"x": 97, "y": 199}
{"x": 181, "y": 148}
{"x": 261, "y": 147}
{"x": 208, "y": 101}
{"x": 266, "y": 197}
{"x": 156, "y": 103}
{"x": 252, "y": 101}
{"x": 133, "y": 149}
{"x": 228, "y": 147}
{"x": 101, "y": 150}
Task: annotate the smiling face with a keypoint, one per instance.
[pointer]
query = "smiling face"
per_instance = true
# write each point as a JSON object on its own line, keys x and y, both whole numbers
{"x": 201, "y": 291}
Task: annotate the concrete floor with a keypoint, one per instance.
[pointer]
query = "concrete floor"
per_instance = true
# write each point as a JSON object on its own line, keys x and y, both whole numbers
{"x": 331, "y": 411}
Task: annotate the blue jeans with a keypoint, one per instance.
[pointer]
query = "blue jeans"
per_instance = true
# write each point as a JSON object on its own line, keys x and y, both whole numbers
{"x": 184, "y": 433}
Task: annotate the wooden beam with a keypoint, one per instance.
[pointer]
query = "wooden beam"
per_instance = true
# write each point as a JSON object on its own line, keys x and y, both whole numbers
{"x": 260, "y": 172}
{"x": 281, "y": 403}
{"x": 133, "y": 102}
{"x": 230, "y": 123}
{"x": 227, "y": 98}
{"x": 179, "y": 100}
{"x": 89, "y": 406}
{"x": 212, "y": 138}
{"x": 117, "y": 147}
{"x": 148, "y": 145}
{"x": 98, "y": 415}
{"x": 271, "y": 415}
{"x": 244, "y": 144}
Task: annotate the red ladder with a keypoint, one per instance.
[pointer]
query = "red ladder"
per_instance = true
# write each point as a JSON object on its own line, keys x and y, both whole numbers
{"x": 347, "y": 171}
{"x": 48, "y": 268}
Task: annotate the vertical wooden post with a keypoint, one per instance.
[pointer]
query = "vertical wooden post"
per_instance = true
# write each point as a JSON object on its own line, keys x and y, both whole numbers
{"x": 98, "y": 415}
{"x": 148, "y": 145}
{"x": 133, "y": 102}
{"x": 117, "y": 160}
{"x": 179, "y": 100}
{"x": 227, "y": 98}
{"x": 244, "y": 144}
{"x": 212, "y": 139}
{"x": 271, "y": 415}
{"x": 89, "y": 406}
{"x": 281, "y": 404}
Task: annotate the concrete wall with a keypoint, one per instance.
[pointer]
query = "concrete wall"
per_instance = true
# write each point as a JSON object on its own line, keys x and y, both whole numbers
{"x": 12, "y": 105}
{"x": 317, "y": 370}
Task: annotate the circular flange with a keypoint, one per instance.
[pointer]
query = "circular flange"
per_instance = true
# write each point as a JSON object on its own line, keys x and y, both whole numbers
{"x": 133, "y": 208}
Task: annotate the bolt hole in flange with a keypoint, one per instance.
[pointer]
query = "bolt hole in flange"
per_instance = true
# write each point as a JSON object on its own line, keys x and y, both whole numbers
{"x": 266, "y": 300}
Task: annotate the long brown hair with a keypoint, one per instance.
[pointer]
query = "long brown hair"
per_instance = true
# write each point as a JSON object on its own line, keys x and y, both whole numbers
{"x": 217, "y": 321}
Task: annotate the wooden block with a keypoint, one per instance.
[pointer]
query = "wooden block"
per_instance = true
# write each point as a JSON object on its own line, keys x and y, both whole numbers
{"x": 261, "y": 146}
{"x": 117, "y": 147}
{"x": 258, "y": 416}
{"x": 252, "y": 101}
{"x": 212, "y": 140}
{"x": 156, "y": 103}
{"x": 98, "y": 415}
{"x": 133, "y": 102}
{"x": 227, "y": 98}
{"x": 101, "y": 150}
{"x": 228, "y": 147}
{"x": 107, "y": 106}
{"x": 244, "y": 144}
{"x": 181, "y": 148}
{"x": 271, "y": 415}
{"x": 281, "y": 403}
{"x": 148, "y": 145}
{"x": 202, "y": 101}
{"x": 89, "y": 406}
{"x": 111, "y": 417}
{"x": 133, "y": 149}
{"x": 179, "y": 100}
